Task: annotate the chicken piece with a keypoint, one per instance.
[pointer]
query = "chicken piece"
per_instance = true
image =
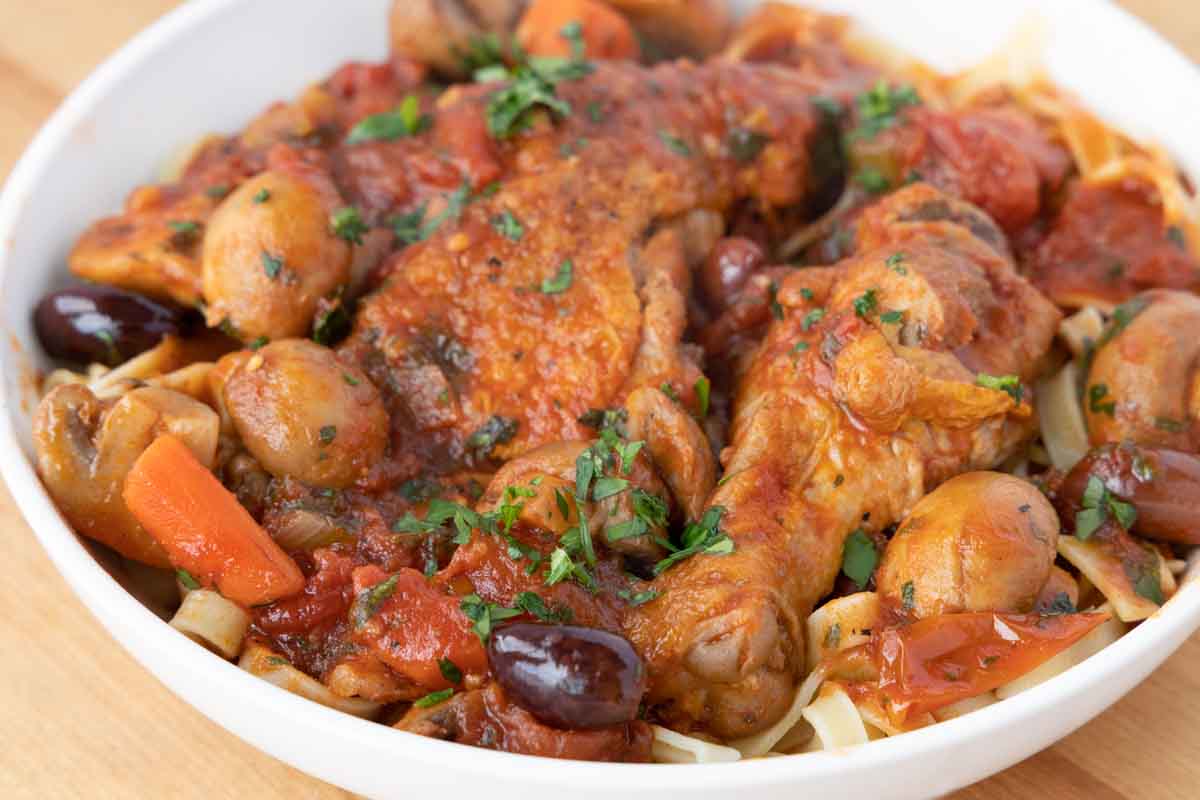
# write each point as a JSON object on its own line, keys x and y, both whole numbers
{"x": 1144, "y": 381}
{"x": 490, "y": 342}
{"x": 849, "y": 414}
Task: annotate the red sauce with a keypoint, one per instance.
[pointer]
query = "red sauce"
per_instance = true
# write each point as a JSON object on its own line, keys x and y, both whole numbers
{"x": 1107, "y": 244}
{"x": 939, "y": 661}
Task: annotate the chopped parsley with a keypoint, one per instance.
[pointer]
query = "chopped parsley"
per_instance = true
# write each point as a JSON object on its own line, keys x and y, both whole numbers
{"x": 496, "y": 431}
{"x": 859, "y": 558}
{"x": 535, "y": 606}
{"x": 880, "y": 107}
{"x": 561, "y": 281}
{"x": 187, "y": 579}
{"x": 636, "y": 599}
{"x": 1099, "y": 401}
{"x": 1009, "y": 384}
{"x": 262, "y": 196}
{"x": 908, "y": 595}
{"x": 328, "y": 433}
{"x": 350, "y": 379}
{"x": 217, "y": 192}
{"x": 1060, "y": 605}
{"x": 812, "y": 318}
{"x": 347, "y": 224}
{"x": 676, "y": 145}
{"x": 508, "y": 226}
{"x": 892, "y": 317}
{"x": 773, "y": 300}
{"x": 405, "y": 120}
{"x": 485, "y": 615}
{"x": 595, "y": 112}
{"x": 669, "y": 391}
{"x": 872, "y": 180}
{"x": 434, "y": 698}
{"x": 1148, "y": 583}
{"x": 185, "y": 227}
{"x": 704, "y": 536}
{"x": 412, "y": 227}
{"x": 532, "y": 84}
{"x": 866, "y": 303}
{"x": 1177, "y": 237}
{"x": 259, "y": 343}
{"x": 703, "y": 389}
{"x": 895, "y": 262}
{"x": 331, "y": 325}
{"x": 271, "y": 266}
{"x": 1098, "y": 503}
{"x": 370, "y": 600}
{"x": 604, "y": 418}
{"x": 450, "y": 670}
{"x": 744, "y": 144}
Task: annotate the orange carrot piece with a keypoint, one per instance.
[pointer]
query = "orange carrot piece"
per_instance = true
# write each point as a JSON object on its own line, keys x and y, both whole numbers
{"x": 204, "y": 529}
{"x": 605, "y": 32}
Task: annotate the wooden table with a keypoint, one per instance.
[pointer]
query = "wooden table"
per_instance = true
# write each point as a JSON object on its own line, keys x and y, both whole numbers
{"x": 82, "y": 719}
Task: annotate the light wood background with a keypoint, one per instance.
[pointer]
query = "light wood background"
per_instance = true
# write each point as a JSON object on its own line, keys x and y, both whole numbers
{"x": 82, "y": 719}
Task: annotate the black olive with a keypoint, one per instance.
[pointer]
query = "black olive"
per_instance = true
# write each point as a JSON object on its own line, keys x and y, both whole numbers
{"x": 92, "y": 323}
{"x": 568, "y": 676}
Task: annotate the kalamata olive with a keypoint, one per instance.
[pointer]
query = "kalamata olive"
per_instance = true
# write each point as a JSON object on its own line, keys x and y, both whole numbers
{"x": 1162, "y": 485}
{"x": 727, "y": 270}
{"x": 568, "y": 676}
{"x": 93, "y": 323}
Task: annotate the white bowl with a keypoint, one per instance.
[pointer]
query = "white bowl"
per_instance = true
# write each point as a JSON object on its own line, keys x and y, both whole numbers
{"x": 211, "y": 66}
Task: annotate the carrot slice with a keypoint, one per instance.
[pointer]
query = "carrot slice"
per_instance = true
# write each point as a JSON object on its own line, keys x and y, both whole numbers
{"x": 204, "y": 529}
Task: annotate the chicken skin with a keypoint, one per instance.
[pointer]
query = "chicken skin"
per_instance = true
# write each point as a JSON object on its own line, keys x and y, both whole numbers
{"x": 563, "y": 289}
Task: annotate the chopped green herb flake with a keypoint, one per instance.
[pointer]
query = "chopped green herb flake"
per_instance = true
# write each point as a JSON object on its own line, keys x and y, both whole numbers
{"x": 485, "y": 615}
{"x": 186, "y": 227}
{"x": 676, "y": 145}
{"x": 535, "y": 606}
{"x": 1060, "y": 605}
{"x": 561, "y": 281}
{"x": 496, "y": 431}
{"x": 262, "y": 196}
{"x": 187, "y": 579}
{"x": 434, "y": 698}
{"x": 745, "y": 145}
{"x": 405, "y": 120}
{"x": 1009, "y": 384}
{"x": 812, "y": 318}
{"x": 1168, "y": 424}
{"x": 350, "y": 379}
{"x": 895, "y": 262}
{"x": 880, "y": 107}
{"x": 639, "y": 598}
{"x": 859, "y": 558}
{"x": 370, "y": 600}
{"x": 704, "y": 536}
{"x": 866, "y": 303}
{"x": 773, "y": 300}
{"x": 872, "y": 180}
{"x": 892, "y": 317}
{"x": 347, "y": 224}
{"x": 908, "y": 596}
{"x": 703, "y": 390}
{"x": 508, "y": 226}
{"x": 1098, "y": 400}
{"x": 271, "y": 266}
{"x": 450, "y": 670}
{"x": 328, "y": 434}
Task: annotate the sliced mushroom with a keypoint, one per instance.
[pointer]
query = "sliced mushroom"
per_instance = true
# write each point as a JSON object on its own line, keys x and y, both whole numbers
{"x": 85, "y": 449}
{"x": 446, "y": 33}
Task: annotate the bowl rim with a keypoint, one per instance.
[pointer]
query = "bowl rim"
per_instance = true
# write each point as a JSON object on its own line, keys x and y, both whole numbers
{"x": 1137, "y": 652}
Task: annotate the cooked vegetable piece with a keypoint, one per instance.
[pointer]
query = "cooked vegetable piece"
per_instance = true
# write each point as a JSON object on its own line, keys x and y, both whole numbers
{"x": 204, "y": 529}
{"x": 568, "y": 676}
{"x": 101, "y": 324}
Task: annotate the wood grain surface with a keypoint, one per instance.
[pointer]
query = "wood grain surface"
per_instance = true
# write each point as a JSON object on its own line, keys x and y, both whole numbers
{"x": 82, "y": 719}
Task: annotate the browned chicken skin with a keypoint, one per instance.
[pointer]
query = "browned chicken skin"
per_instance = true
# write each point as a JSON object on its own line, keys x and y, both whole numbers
{"x": 477, "y": 338}
{"x": 844, "y": 421}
